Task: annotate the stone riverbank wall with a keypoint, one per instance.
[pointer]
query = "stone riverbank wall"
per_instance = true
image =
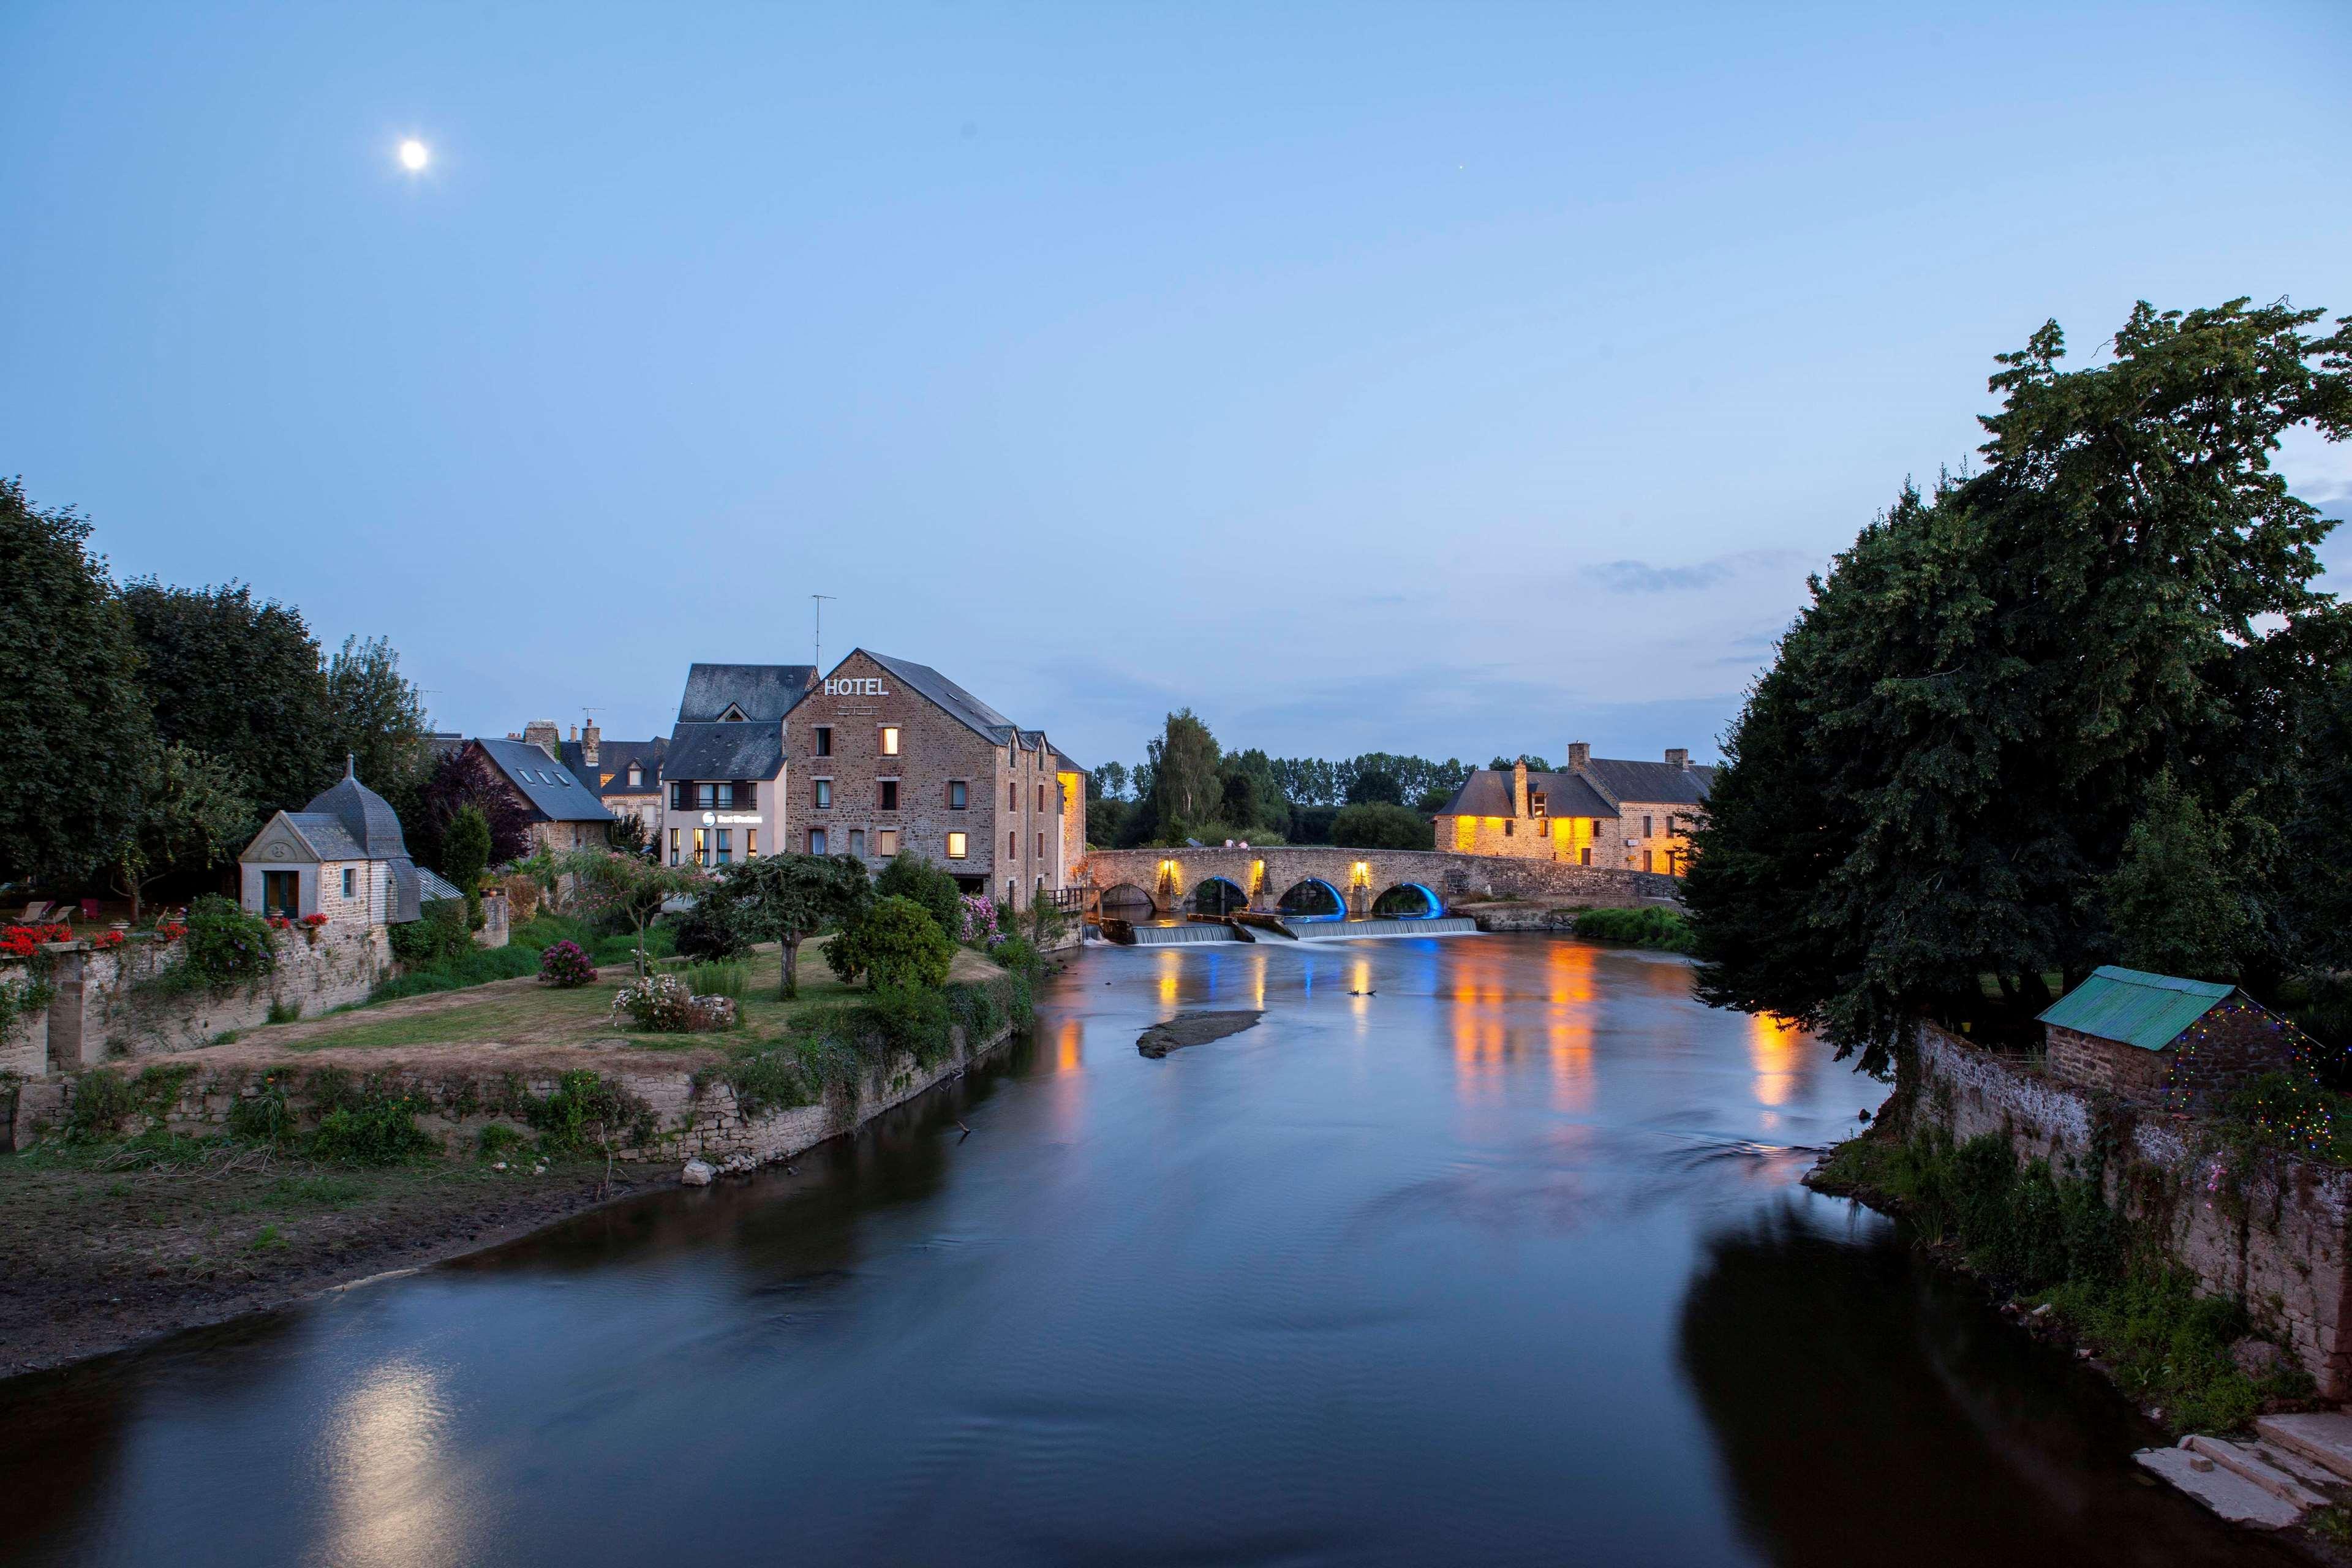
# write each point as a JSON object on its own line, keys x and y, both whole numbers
{"x": 677, "y": 1112}
{"x": 107, "y": 1003}
{"x": 2270, "y": 1230}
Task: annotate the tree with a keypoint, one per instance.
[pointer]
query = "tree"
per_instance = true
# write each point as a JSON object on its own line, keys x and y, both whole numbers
{"x": 377, "y": 715}
{"x": 1943, "y": 767}
{"x": 628, "y": 833}
{"x": 787, "y": 898}
{"x": 462, "y": 778}
{"x": 1106, "y": 820}
{"x": 1373, "y": 787}
{"x": 1381, "y": 825}
{"x": 2185, "y": 898}
{"x": 1107, "y": 782}
{"x": 1504, "y": 764}
{"x": 240, "y": 680}
{"x": 464, "y": 855}
{"x": 190, "y": 818}
{"x": 1185, "y": 790}
{"x": 1254, "y": 802}
{"x": 627, "y": 886}
{"x": 74, "y": 719}
{"x": 893, "y": 942}
{"x": 912, "y": 876}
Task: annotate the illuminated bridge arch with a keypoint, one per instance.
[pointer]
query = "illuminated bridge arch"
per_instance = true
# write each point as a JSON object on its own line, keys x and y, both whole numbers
{"x": 1217, "y": 895}
{"x": 1126, "y": 901}
{"x": 1409, "y": 902}
{"x": 1312, "y": 899}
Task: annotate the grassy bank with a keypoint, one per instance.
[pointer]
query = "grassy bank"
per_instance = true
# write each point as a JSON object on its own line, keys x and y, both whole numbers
{"x": 519, "y": 957}
{"x": 1653, "y": 927}
{"x": 2049, "y": 1238}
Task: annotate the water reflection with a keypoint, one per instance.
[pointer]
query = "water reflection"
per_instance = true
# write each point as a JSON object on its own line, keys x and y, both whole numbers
{"x": 383, "y": 1470}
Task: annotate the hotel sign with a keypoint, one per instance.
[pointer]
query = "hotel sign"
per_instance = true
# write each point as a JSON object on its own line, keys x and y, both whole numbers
{"x": 862, "y": 687}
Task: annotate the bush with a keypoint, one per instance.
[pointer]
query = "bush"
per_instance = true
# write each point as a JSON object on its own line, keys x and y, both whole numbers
{"x": 1654, "y": 926}
{"x": 913, "y": 1019}
{"x": 1017, "y": 953}
{"x": 367, "y": 1123}
{"x": 896, "y": 942}
{"x": 565, "y": 966}
{"x": 910, "y": 876}
{"x": 665, "y": 1005}
{"x": 979, "y": 928}
{"x": 717, "y": 926}
{"x": 439, "y": 935}
{"x": 717, "y": 980}
{"x": 499, "y": 1140}
{"x": 226, "y": 947}
{"x": 589, "y": 1110}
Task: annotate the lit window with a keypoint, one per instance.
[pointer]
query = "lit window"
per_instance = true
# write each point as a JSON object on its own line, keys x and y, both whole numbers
{"x": 751, "y": 844}
{"x": 889, "y": 739}
{"x": 1465, "y": 833}
{"x": 673, "y": 845}
{"x": 816, "y": 840}
{"x": 824, "y": 793}
{"x": 959, "y": 846}
{"x": 701, "y": 847}
{"x": 958, "y": 794}
{"x": 885, "y": 842}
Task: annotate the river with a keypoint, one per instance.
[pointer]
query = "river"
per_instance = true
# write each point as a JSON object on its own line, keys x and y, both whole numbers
{"x": 1503, "y": 1263}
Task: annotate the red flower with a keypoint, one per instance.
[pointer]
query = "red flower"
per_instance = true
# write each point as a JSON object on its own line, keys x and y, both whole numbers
{"x": 314, "y": 922}
{"x": 107, "y": 938}
{"x": 279, "y": 922}
{"x": 170, "y": 930}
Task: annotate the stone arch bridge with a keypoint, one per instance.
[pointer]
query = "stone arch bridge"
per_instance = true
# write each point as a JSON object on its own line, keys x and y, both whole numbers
{"x": 1213, "y": 880}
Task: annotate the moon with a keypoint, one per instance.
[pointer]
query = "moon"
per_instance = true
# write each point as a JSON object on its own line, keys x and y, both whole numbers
{"x": 414, "y": 155}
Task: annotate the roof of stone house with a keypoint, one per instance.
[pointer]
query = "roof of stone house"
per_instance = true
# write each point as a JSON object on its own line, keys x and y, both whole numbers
{"x": 323, "y": 834}
{"x": 367, "y": 818}
{"x": 959, "y": 704}
{"x": 725, "y": 750}
{"x": 1487, "y": 793}
{"x": 610, "y": 776}
{"x": 1663, "y": 784}
{"x": 759, "y": 692}
{"x": 548, "y": 786}
{"x": 2135, "y": 1008}
{"x": 1062, "y": 763}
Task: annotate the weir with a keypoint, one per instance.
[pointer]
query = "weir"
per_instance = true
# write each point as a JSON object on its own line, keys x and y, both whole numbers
{"x": 1281, "y": 932}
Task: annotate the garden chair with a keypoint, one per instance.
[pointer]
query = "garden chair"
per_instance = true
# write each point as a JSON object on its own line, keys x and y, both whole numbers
{"x": 90, "y": 908}
{"x": 37, "y": 911}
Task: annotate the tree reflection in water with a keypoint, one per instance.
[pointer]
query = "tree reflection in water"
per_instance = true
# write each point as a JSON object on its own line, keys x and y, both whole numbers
{"x": 1867, "y": 1411}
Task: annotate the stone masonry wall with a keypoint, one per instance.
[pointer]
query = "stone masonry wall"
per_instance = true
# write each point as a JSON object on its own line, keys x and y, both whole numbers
{"x": 690, "y": 1121}
{"x": 2106, "y": 1065}
{"x": 2274, "y": 1235}
{"x": 1457, "y": 878}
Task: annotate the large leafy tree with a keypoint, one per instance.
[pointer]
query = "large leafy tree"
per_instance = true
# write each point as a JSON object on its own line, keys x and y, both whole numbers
{"x": 893, "y": 942}
{"x": 74, "y": 719}
{"x": 377, "y": 716}
{"x": 466, "y": 778}
{"x": 239, "y": 678}
{"x": 1185, "y": 789}
{"x": 191, "y": 818}
{"x": 1377, "y": 824}
{"x": 1928, "y": 790}
{"x": 788, "y": 898}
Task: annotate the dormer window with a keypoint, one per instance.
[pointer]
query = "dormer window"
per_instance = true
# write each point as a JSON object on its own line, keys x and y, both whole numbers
{"x": 733, "y": 715}
{"x": 1536, "y": 805}
{"x": 636, "y": 775}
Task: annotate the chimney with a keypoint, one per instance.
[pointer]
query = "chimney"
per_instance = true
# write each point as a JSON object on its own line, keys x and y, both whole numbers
{"x": 1519, "y": 788}
{"x": 1679, "y": 756}
{"x": 541, "y": 732}
{"x": 589, "y": 737}
{"x": 1580, "y": 755}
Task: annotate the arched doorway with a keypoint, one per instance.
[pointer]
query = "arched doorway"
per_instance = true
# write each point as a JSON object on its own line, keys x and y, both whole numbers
{"x": 1408, "y": 901}
{"x": 1313, "y": 900}
{"x": 1217, "y": 895}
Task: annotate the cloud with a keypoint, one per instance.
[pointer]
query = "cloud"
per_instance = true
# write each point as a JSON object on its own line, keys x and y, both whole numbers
{"x": 1640, "y": 577}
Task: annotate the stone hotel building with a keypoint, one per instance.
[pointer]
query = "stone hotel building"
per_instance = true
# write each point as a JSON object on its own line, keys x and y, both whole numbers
{"x": 879, "y": 758}
{"x": 1597, "y": 811}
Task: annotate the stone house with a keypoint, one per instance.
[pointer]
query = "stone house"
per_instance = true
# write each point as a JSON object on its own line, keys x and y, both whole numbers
{"x": 2157, "y": 1039}
{"x": 565, "y": 813}
{"x": 722, "y": 771}
{"x": 343, "y": 856}
{"x": 1597, "y": 811}
{"x": 625, "y": 774}
{"x": 895, "y": 758}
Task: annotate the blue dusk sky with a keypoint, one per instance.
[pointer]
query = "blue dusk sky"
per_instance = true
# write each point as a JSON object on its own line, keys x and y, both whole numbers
{"x": 1453, "y": 379}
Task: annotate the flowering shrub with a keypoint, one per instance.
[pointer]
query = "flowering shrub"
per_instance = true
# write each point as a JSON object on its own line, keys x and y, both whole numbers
{"x": 170, "y": 930}
{"x": 23, "y": 942}
{"x": 979, "y": 926}
{"x": 665, "y": 1005}
{"x": 314, "y": 920}
{"x": 105, "y": 940}
{"x": 565, "y": 965}
{"x": 225, "y": 948}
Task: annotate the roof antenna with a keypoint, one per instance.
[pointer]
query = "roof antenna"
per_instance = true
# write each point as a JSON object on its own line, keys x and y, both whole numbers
{"x": 820, "y": 599}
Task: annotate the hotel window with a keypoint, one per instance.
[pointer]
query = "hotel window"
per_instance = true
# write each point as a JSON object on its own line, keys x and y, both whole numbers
{"x": 885, "y": 842}
{"x": 857, "y": 841}
{"x": 959, "y": 846}
{"x": 701, "y": 846}
{"x": 823, "y": 796}
{"x": 825, "y": 739}
{"x": 677, "y": 797}
{"x": 958, "y": 794}
{"x": 816, "y": 840}
{"x": 726, "y": 845}
{"x": 673, "y": 845}
{"x": 351, "y": 883}
{"x": 726, "y": 794}
{"x": 706, "y": 795}
{"x": 889, "y": 739}
{"x": 751, "y": 844}
{"x": 885, "y": 794}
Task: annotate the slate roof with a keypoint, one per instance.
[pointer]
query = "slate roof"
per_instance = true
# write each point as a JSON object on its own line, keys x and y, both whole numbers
{"x": 1062, "y": 763}
{"x": 1487, "y": 793}
{"x": 947, "y": 695}
{"x": 324, "y": 833}
{"x": 765, "y": 692}
{"x": 1665, "y": 784}
{"x": 614, "y": 757}
{"x": 2135, "y": 1008}
{"x": 432, "y": 887}
{"x": 367, "y": 818}
{"x": 725, "y": 751}
{"x": 548, "y": 786}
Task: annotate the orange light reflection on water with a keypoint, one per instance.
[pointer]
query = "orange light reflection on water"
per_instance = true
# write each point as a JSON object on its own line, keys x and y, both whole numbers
{"x": 1775, "y": 1049}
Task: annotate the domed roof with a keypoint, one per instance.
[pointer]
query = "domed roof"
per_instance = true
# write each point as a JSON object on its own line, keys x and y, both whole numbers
{"x": 374, "y": 826}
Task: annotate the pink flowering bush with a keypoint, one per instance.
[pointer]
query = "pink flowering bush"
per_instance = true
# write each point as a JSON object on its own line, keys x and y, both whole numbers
{"x": 979, "y": 923}
{"x": 564, "y": 966}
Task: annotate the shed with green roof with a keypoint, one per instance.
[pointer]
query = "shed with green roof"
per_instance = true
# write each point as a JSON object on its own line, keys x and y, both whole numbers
{"x": 2145, "y": 1036}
